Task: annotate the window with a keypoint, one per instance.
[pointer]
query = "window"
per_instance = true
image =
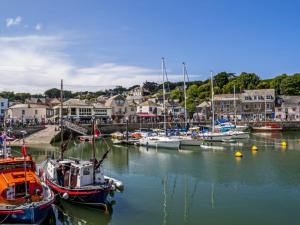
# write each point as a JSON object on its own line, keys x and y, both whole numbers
{"x": 132, "y": 109}
{"x": 2, "y": 104}
{"x": 150, "y": 109}
{"x": 269, "y": 97}
{"x": 23, "y": 112}
{"x": 85, "y": 111}
{"x": 36, "y": 112}
{"x": 2, "y": 111}
{"x": 247, "y": 98}
{"x": 294, "y": 109}
{"x": 73, "y": 111}
{"x": 100, "y": 111}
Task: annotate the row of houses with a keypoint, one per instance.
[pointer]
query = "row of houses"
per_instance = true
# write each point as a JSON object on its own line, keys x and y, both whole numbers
{"x": 116, "y": 109}
{"x": 251, "y": 105}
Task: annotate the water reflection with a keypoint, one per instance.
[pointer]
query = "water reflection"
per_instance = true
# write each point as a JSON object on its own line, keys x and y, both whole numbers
{"x": 196, "y": 186}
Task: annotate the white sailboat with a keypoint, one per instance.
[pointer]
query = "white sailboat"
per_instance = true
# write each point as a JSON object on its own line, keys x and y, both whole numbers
{"x": 187, "y": 140}
{"x": 161, "y": 141}
{"x": 214, "y": 136}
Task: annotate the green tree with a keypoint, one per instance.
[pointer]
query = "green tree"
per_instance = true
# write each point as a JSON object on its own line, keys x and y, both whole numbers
{"x": 291, "y": 85}
{"x": 276, "y": 83}
{"x": 177, "y": 94}
{"x": 247, "y": 81}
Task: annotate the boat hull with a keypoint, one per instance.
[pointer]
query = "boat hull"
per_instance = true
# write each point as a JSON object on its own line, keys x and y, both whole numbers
{"x": 222, "y": 137}
{"x": 29, "y": 213}
{"x": 96, "y": 198}
{"x": 190, "y": 142}
{"x": 157, "y": 143}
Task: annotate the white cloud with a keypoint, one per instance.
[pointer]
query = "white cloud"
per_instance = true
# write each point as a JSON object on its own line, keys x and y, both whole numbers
{"x": 38, "y": 27}
{"x": 13, "y": 21}
{"x": 35, "y": 63}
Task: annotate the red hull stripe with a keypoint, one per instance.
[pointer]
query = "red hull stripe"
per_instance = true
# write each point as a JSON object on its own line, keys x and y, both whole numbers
{"x": 18, "y": 211}
{"x": 61, "y": 190}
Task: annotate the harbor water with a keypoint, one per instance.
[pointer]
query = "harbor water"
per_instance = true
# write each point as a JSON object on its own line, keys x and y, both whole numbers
{"x": 194, "y": 185}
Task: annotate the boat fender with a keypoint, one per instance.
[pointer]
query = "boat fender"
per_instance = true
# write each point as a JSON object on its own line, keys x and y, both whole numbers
{"x": 65, "y": 195}
{"x": 113, "y": 187}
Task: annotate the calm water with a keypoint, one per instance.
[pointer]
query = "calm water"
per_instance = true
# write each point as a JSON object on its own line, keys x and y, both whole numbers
{"x": 195, "y": 186}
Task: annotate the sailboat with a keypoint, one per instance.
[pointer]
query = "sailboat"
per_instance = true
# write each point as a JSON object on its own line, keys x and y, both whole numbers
{"x": 214, "y": 136}
{"x": 24, "y": 198}
{"x": 187, "y": 140}
{"x": 79, "y": 181}
{"x": 161, "y": 141}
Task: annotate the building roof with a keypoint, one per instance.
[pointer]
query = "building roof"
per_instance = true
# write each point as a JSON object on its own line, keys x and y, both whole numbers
{"x": 36, "y": 100}
{"x": 111, "y": 99}
{"x": 204, "y": 104}
{"x": 292, "y": 101}
{"x": 226, "y": 97}
{"x": 76, "y": 102}
{"x": 19, "y": 106}
{"x": 99, "y": 105}
{"x": 148, "y": 103}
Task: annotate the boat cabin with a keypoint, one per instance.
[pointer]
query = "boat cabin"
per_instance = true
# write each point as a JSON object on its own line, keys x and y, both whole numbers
{"x": 13, "y": 179}
{"x": 74, "y": 173}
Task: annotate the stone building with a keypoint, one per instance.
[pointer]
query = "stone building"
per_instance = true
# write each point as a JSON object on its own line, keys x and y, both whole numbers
{"x": 256, "y": 104}
{"x": 227, "y": 106}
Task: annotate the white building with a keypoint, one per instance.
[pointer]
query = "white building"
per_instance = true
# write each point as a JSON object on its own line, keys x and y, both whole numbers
{"x": 27, "y": 113}
{"x": 83, "y": 110}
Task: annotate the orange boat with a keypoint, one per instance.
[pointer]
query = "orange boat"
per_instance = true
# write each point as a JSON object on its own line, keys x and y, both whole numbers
{"x": 23, "y": 197}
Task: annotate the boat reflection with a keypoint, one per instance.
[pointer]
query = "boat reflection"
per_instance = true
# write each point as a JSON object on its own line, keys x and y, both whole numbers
{"x": 66, "y": 213}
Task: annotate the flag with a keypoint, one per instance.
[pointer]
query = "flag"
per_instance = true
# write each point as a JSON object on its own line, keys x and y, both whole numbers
{"x": 24, "y": 152}
{"x": 96, "y": 131}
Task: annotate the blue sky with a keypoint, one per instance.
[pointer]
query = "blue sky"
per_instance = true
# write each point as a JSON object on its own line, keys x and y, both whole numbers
{"x": 95, "y": 44}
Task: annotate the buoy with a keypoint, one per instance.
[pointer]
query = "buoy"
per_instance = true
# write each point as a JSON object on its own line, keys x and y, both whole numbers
{"x": 254, "y": 148}
{"x": 283, "y": 144}
{"x": 65, "y": 195}
{"x": 238, "y": 154}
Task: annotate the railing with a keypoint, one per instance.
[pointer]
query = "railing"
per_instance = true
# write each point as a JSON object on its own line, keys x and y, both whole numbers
{"x": 75, "y": 128}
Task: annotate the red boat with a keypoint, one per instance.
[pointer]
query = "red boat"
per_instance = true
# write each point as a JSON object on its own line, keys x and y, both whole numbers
{"x": 269, "y": 127}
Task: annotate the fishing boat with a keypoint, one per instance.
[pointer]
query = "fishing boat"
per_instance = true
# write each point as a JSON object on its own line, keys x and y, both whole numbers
{"x": 79, "y": 181}
{"x": 24, "y": 198}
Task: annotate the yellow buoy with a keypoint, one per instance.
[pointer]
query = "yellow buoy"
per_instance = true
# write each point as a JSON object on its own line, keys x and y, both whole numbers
{"x": 283, "y": 144}
{"x": 254, "y": 148}
{"x": 238, "y": 154}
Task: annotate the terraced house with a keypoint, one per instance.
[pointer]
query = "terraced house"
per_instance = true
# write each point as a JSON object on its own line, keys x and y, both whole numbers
{"x": 258, "y": 105}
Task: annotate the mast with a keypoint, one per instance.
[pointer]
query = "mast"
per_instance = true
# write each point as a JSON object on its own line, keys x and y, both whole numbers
{"x": 94, "y": 151}
{"x": 234, "y": 105}
{"x": 61, "y": 120}
{"x": 164, "y": 93}
{"x": 265, "y": 107}
{"x": 212, "y": 102}
{"x": 184, "y": 90}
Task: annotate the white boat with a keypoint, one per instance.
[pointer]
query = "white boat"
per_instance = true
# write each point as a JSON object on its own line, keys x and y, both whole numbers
{"x": 214, "y": 136}
{"x": 239, "y": 134}
{"x": 188, "y": 141}
{"x": 160, "y": 142}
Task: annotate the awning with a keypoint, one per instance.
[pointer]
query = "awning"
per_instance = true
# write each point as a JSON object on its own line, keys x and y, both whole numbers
{"x": 146, "y": 115}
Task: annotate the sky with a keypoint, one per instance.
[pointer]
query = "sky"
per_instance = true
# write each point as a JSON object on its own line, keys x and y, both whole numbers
{"x": 98, "y": 44}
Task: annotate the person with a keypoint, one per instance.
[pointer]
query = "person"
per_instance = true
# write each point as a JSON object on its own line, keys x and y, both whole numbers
{"x": 60, "y": 175}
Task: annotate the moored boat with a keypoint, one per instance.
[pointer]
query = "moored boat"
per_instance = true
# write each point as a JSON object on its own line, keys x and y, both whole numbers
{"x": 268, "y": 128}
{"x": 24, "y": 199}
